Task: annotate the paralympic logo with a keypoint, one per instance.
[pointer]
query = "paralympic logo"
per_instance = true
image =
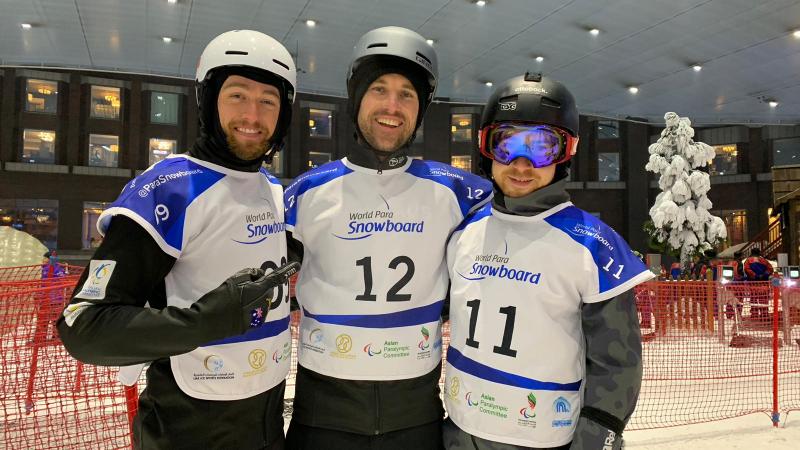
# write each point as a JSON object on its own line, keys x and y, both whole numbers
{"x": 531, "y": 406}
{"x": 369, "y": 351}
{"x": 468, "y": 398}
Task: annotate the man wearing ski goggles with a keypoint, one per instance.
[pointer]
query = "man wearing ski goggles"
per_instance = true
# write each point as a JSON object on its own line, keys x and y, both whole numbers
{"x": 543, "y": 145}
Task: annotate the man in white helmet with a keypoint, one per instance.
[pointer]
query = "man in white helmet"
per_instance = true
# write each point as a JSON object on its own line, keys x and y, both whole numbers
{"x": 371, "y": 231}
{"x": 160, "y": 289}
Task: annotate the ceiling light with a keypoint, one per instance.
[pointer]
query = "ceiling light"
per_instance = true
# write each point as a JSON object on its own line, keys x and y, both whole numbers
{"x": 429, "y": 41}
{"x": 166, "y": 39}
{"x": 633, "y": 90}
{"x": 488, "y": 83}
{"x": 594, "y": 31}
{"x": 172, "y": 2}
{"x": 26, "y": 26}
{"x": 796, "y": 34}
{"x": 311, "y": 23}
{"x": 697, "y": 67}
{"x": 773, "y": 104}
{"x": 480, "y": 3}
{"x": 539, "y": 58}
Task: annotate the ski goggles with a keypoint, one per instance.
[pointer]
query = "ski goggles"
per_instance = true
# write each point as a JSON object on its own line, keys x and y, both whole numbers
{"x": 542, "y": 145}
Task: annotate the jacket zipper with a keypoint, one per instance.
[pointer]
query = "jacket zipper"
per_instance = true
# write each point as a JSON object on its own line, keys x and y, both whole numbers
{"x": 377, "y": 407}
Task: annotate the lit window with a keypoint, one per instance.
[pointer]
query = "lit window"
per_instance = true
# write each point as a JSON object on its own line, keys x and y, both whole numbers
{"x": 38, "y": 217}
{"x": 463, "y": 162}
{"x": 39, "y": 146}
{"x": 607, "y": 129}
{"x": 319, "y": 123}
{"x": 461, "y": 127}
{"x": 105, "y": 102}
{"x": 735, "y": 223}
{"x": 724, "y": 162}
{"x": 91, "y": 212}
{"x": 161, "y": 148}
{"x": 786, "y": 152}
{"x": 608, "y": 166}
{"x": 103, "y": 150}
{"x": 164, "y": 108}
{"x": 41, "y": 96}
{"x": 316, "y": 159}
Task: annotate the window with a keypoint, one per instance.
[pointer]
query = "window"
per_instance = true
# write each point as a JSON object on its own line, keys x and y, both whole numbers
{"x": 91, "y": 212}
{"x": 161, "y": 148}
{"x": 724, "y": 163}
{"x": 276, "y": 166}
{"x": 164, "y": 108}
{"x": 461, "y": 127}
{"x": 105, "y": 102}
{"x": 608, "y": 166}
{"x": 607, "y": 129}
{"x": 463, "y": 162}
{"x": 41, "y": 96}
{"x": 319, "y": 123}
{"x": 735, "y": 224}
{"x": 39, "y": 218}
{"x": 316, "y": 159}
{"x": 103, "y": 150}
{"x": 786, "y": 152}
{"x": 39, "y": 146}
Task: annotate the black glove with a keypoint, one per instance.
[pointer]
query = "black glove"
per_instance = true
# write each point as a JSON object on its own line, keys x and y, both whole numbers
{"x": 590, "y": 435}
{"x": 251, "y": 290}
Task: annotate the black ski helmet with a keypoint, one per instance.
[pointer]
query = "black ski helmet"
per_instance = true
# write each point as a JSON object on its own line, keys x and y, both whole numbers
{"x": 392, "y": 50}
{"x": 530, "y": 98}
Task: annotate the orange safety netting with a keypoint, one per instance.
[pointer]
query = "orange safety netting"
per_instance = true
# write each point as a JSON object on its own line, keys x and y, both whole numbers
{"x": 708, "y": 350}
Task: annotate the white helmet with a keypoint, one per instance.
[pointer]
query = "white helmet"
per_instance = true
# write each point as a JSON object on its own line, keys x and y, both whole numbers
{"x": 247, "y": 48}
{"x": 254, "y": 52}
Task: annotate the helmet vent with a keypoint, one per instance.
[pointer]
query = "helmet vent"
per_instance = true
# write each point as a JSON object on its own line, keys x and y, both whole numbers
{"x": 235, "y": 52}
{"x": 379, "y": 44}
{"x": 550, "y": 102}
{"x": 284, "y": 65}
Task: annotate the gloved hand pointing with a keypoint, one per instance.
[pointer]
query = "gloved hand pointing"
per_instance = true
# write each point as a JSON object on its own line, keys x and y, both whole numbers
{"x": 251, "y": 292}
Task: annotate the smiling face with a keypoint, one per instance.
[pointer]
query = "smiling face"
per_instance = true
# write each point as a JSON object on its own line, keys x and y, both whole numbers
{"x": 387, "y": 116}
{"x": 520, "y": 178}
{"x": 248, "y": 112}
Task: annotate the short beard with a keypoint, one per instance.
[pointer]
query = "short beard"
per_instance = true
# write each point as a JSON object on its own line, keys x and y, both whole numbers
{"x": 248, "y": 152}
{"x": 364, "y": 128}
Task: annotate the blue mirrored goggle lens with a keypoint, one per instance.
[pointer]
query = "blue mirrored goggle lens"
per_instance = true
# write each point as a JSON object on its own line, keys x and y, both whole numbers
{"x": 541, "y": 145}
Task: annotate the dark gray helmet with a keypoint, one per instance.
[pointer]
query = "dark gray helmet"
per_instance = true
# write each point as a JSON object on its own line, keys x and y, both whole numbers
{"x": 389, "y": 50}
{"x": 530, "y": 98}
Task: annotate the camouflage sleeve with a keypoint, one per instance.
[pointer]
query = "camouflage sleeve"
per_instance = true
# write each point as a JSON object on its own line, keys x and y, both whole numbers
{"x": 613, "y": 372}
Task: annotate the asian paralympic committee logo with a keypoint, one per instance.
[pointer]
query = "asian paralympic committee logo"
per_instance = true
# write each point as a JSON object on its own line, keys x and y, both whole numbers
{"x": 424, "y": 344}
{"x": 529, "y": 411}
{"x": 468, "y": 398}
{"x": 370, "y": 351}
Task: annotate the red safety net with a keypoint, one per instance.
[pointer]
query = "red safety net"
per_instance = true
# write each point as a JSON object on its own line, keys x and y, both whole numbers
{"x": 708, "y": 355}
{"x": 709, "y": 352}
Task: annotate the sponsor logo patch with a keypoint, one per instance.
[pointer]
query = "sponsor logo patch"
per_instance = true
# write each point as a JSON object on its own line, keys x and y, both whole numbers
{"x": 100, "y": 271}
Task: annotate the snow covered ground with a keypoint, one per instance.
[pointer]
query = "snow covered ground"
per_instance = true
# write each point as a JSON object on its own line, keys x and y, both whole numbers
{"x": 751, "y": 432}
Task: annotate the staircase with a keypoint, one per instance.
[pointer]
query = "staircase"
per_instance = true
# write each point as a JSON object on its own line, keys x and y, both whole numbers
{"x": 769, "y": 241}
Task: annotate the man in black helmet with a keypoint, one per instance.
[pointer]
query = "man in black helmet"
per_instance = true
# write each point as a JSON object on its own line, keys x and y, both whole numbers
{"x": 545, "y": 350}
{"x": 371, "y": 231}
{"x": 159, "y": 289}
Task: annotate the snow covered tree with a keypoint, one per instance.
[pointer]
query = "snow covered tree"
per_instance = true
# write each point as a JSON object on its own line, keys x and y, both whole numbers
{"x": 680, "y": 216}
